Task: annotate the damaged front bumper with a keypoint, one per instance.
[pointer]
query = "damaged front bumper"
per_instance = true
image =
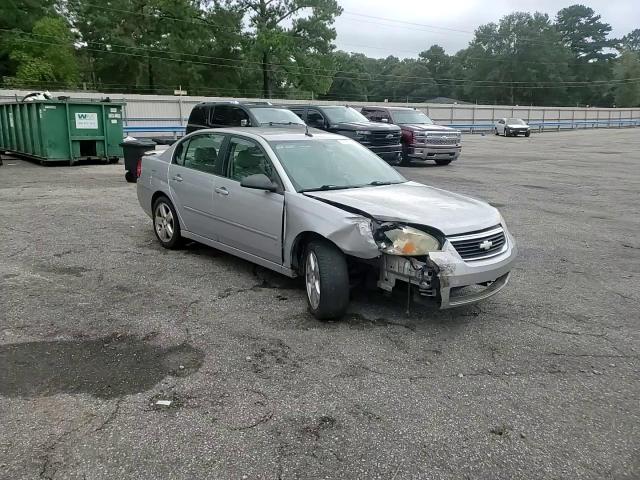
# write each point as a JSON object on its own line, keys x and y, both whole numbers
{"x": 444, "y": 276}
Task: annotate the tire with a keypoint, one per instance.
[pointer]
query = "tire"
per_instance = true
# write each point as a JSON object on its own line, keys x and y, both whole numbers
{"x": 506, "y": 133}
{"x": 166, "y": 225}
{"x": 443, "y": 162}
{"x": 528, "y": 134}
{"x": 405, "y": 160}
{"x": 326, "y": 279}
{"x": 130, "y": 177}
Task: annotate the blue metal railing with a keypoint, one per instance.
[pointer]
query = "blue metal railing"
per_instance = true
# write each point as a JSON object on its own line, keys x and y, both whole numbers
{"x": 556, "y": 125}
{"x": 178, "y": 130}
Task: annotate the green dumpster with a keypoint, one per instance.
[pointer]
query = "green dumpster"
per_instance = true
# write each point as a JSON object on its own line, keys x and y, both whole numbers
{"x": 62, "y": 130}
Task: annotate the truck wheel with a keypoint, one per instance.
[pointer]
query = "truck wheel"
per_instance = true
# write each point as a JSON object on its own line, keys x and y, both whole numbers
{"x": 326, "y": 280}
{"x": 405, "y": 160}
{"x": 443, "y": 162}
{"x": 165, "y": 223}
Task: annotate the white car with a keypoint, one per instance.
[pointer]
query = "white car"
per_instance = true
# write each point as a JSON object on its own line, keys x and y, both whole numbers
{"x": 512, "y": 127}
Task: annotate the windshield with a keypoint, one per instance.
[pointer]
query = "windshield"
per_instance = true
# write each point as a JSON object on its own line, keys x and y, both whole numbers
{"x": 343, "y": 115}
{"x": 314, "y": 164}
{"x": 276, "y": 116}
{"x": 410, "y": 116}
{"x": 515, "y": 121}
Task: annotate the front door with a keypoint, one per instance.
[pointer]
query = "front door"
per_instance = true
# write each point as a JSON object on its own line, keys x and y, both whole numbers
{"x": 247, "y": 219}
{"x": 192, "y": 176}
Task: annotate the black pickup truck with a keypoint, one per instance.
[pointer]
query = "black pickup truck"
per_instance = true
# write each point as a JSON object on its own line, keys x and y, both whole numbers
{"x": 383, "y": 140}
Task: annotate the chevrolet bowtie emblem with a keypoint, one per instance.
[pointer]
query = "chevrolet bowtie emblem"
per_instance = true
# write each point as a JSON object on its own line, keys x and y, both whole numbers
{"x": 486, "y": 245}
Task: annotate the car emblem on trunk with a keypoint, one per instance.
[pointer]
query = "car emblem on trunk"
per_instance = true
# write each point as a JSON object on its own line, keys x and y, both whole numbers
{"x": 486, "y": 245}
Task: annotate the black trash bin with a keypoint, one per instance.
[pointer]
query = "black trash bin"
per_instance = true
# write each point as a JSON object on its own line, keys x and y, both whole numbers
{"x": 132, "y": 152}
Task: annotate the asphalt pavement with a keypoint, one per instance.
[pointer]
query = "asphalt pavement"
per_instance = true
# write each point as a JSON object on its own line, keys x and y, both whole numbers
{"x": 98, "y": 323}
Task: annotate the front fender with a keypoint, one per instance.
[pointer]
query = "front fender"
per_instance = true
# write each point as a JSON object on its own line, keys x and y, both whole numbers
{"x": 349, "y": 231}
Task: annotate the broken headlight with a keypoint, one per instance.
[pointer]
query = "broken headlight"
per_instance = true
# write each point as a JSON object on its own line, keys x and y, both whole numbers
{"x": 406, "y": 241}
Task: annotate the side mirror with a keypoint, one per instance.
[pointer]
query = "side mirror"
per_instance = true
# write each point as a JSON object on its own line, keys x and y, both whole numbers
{"x": 258, "y": 181}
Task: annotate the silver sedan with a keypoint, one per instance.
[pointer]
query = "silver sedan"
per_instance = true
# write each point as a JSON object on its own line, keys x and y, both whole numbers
{"x": 512, "y": 127}
{"x": 321, "y": 206}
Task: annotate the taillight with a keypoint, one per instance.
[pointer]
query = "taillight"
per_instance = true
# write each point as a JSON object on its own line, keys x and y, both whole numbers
{"x": 139, "y": 168}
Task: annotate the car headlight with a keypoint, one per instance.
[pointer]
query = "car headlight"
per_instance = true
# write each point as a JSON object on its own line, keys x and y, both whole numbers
{"x": 406, "y": 241}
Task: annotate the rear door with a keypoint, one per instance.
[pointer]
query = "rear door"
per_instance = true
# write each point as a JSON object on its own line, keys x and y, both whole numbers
{"x": 247, "y": 219}
{"x": 196, "y": 163}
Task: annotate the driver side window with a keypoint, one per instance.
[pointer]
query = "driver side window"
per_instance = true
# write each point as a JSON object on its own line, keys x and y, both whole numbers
{"x": 247, "y": 158}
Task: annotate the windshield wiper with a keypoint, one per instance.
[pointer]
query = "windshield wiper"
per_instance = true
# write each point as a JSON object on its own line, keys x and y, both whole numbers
{"x": 324, "y": 188}
{"x": 377, "y": 183}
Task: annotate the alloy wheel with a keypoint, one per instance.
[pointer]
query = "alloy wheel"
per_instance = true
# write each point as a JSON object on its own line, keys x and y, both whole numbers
{"x": 312, "y": 280}
{"x": 164, "y": 222}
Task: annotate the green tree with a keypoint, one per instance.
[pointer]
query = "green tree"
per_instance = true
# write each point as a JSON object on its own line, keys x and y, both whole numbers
{"x": 48, "y": 55}
{"x": 19, "y": 15}
{"x": 631, "y": 41}
{"x": 586, "y": 35}
{"x": 627, "y": 71}
{"x": 290, "y": 38}
{"x": 152, "y": 46}
{"x": 520, "y": 60}
{"x": 440, "y": 66}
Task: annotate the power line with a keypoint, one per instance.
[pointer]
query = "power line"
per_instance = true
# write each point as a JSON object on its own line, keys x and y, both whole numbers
{"x": 316, "y": 71}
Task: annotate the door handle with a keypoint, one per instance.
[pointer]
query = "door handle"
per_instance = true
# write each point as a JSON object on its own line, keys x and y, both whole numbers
{"x": 222, "y": 191}
{"x": 177, "y": 178}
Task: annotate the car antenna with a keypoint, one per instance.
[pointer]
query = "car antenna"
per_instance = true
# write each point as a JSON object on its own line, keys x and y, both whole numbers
{"x": 306, "y": 131}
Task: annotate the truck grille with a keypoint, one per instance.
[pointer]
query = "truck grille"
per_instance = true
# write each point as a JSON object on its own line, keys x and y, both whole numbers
{"x": 384, "y": 138}
{"x": 438, "y": 140}
{"x": 478, "y": 245}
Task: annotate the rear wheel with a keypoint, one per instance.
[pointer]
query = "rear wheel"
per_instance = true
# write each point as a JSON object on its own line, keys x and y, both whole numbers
{"x": 326, "y": 280}
{"x": 166, "y": 224}
{"x": 443, "y": 162}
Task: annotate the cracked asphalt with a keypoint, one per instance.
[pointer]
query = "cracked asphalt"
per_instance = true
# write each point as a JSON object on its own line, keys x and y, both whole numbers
{"x": 98, "y": 323}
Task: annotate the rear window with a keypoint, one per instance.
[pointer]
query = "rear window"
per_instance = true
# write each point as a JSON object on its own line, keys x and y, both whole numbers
{"x": 277, "y": 116}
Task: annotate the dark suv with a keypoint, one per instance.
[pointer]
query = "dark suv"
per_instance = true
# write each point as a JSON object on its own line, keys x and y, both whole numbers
{"x": 421, "y": 138}
{"x": 235, "y": 114}
{"x": 383, "y": 140}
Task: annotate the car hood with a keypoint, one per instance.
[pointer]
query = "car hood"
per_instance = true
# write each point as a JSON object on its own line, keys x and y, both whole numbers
{"x": 421, "y": 127}
{"x": 413, "y": 202}
{"x": 373, "y": 126}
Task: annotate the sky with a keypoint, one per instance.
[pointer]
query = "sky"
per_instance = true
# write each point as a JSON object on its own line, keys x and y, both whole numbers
{"x": 449, "y": 23}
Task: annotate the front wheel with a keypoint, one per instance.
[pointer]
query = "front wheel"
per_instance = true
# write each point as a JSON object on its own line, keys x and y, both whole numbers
{"x": 528, "y": 134}
{"x": 326, "y": 280}
{"x": 166, "y": 224}
{"x": 405, "y": 160}
{"x": 443, "y": 162}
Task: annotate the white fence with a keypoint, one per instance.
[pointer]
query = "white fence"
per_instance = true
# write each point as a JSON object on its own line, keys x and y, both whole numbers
{"x": 148, "y": 115}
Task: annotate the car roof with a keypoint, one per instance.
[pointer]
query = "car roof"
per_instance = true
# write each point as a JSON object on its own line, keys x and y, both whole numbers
{"x": 241, "y": 104}
{"x": 275, "y": 133}
{"x": 385, "y": 107}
